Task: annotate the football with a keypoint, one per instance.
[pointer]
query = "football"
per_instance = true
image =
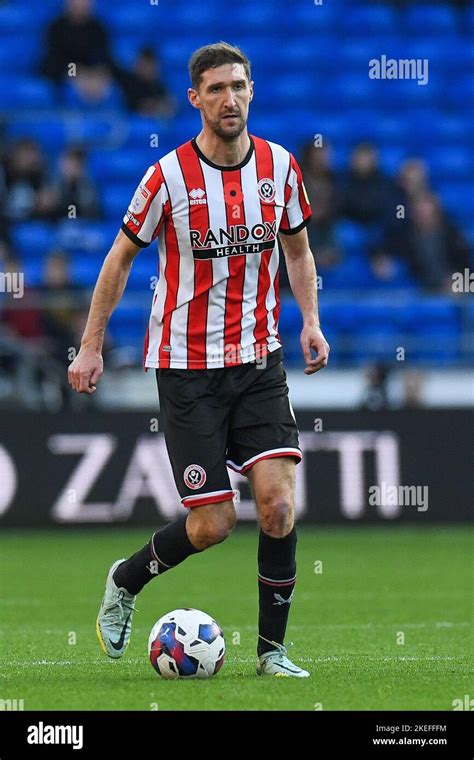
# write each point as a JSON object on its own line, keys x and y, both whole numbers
{"x": 186, "y": 643}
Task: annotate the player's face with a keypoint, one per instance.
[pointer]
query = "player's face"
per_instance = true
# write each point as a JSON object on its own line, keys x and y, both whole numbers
{"x": 223, "y": 98}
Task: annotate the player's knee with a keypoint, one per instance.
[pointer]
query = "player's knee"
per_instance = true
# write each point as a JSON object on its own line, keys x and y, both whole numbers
{"x": 211, "y": 526}
{"x": 276, "y": 516}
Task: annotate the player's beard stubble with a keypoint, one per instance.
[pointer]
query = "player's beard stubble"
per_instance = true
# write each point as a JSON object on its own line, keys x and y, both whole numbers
{"x": 228, "y": 133}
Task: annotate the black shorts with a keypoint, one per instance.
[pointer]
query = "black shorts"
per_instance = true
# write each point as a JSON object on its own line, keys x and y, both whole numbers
{"x": 227, "y": 417}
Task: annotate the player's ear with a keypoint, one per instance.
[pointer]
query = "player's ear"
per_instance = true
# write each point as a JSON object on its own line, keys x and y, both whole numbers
{"x": 193, "y": 97}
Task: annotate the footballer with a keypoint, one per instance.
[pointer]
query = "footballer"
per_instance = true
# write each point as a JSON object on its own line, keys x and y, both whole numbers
{"x": 217, "y": 206}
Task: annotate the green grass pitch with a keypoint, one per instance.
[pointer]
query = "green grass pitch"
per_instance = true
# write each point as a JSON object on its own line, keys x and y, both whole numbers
{"x": 378, "y": 587}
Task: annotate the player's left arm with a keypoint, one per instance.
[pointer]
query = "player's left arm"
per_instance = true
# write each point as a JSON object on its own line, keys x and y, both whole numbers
{"x": 303, "y": 281}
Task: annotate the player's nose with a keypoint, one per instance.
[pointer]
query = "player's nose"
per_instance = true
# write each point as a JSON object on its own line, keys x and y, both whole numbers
{"x": 230, "y": 100}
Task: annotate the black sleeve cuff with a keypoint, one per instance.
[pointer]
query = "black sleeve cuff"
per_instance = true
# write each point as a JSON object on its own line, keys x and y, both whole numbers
{"x": 296, "y": 229}
{"x": 133, "y": 237}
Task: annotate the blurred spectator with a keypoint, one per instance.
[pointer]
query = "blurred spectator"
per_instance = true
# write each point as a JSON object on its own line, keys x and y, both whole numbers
{"x": 376, "y": 396}
{"x": 27, "y": 194}
{"x": 412, "y": 389}
{"x": 74, "y": 189}
{"x": 143, "y": 87}
{"x": 412, "y": 179}
{"x": 431, "y": 245}
{"x": 75, "y": 37}
{"x": 5, "y": 242}
{"x": 5, "y": 252}
{"x": 92, "y": 88}
{"x": 368, "y": 195}
{"x": 22, "y": 316}
{"x": 322, "y": 190}
{"x": 60, "y": 305}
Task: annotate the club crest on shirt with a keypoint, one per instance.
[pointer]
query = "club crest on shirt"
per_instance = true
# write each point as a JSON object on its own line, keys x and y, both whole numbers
{"x": 194, "y": 476}
{"x": 266, "y": 190}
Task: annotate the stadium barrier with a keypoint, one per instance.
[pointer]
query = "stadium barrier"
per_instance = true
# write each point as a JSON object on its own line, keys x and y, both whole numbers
{"x": 409, "y": 466}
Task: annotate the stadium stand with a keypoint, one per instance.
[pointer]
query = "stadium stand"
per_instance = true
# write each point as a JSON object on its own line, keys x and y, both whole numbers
{"x": 311, "y": 77}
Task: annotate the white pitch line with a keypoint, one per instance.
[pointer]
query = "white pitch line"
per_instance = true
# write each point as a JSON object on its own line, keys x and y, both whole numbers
{"x": 361, "y": 626}
{"x": 242, "y": 660}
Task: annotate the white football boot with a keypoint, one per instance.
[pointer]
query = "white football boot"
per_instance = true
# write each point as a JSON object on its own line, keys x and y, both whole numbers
{"x": 114, "y": 622}
{"x": 277, "y": 663}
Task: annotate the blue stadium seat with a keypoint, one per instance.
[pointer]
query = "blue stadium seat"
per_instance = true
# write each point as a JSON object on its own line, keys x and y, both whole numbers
{"x": 258, "y": 17}
{"x": 429, "y": 45}
{"x": 468, "y": 19}
{"x": 357, "y": 50}
{"x": 453, "y": 162}
{"x": 391, "y": 156}
{"x": 459, "y": 91}
{"x": 126, "y": 48}
{"x": 84, "y": 271}
{"x": 19, "y": 53}
{"x": 430, "y": 312}
{"x": 175, "y": 52}
{"x": 351, "y": 236}
{"x": 336, "y": 315}
{"x": 391, "y": 129}
{"x": 14, "y": 19}
{"x": 438, "y": 127}
{"x": 332, "y": 126}
{"x": 375, "y": 343}
{"x": 456, "y": 197}
{"x": 72, "y": 98}
{"x": 130, "y": 318}
{"x": 353, "y": 272}
{"x": 32, "y": 240}
{"x": 290, "y": 315}
{"x": 45, "y": 11}
{"x": 142, "y": 21}
{"x": 115, "y": 199}
{"x": 33, "y": 270}
{"x": 87, "y": 238}
{"x": 303, "y": 53}
{"x": 143, "y": 273}
{"x": 352, "y": 89}
{"x": 468, "y": 229}
{"x": 441, "y": 344}
{"x": 26, "y": 92}
{"x": 431, "y": 18}
{"x": 315, "y": 18}
{"x": 373, "y": 19}
{"x": 140, "y": 131}
{"x": 120, "y": 166}
{"x": 407, "y": 93}
{"x": 340, "y": 156}
{"x": 91, "y": 131}
{"x": 49, "y": 133}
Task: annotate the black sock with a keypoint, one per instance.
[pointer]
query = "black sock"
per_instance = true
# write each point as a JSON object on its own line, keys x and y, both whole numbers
{"x": 167, "y": 548}
{"x": 276, "y": 581}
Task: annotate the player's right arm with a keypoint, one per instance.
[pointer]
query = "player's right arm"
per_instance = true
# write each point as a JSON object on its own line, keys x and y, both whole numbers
{"x": 87, "y": 367}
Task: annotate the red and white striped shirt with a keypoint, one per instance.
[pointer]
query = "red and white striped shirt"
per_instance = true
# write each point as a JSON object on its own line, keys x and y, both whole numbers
{"x": 216, "y": 303}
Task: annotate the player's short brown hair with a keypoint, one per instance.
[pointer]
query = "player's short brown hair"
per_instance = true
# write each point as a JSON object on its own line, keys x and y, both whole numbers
{"x": 212, "y": 56}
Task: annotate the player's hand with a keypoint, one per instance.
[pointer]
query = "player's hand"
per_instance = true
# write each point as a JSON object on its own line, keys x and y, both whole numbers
{"x": 312, "y": 338}
{"x": 85, "y": 371}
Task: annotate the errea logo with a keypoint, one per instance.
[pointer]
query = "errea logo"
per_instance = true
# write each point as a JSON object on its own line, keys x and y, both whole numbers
{"x": 196, "y": 196}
